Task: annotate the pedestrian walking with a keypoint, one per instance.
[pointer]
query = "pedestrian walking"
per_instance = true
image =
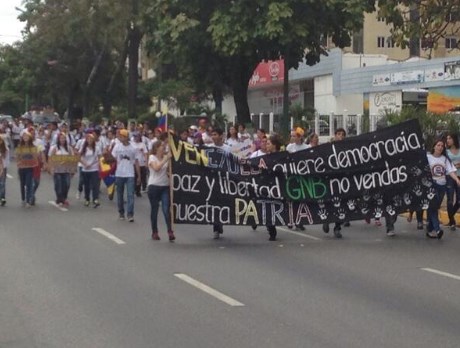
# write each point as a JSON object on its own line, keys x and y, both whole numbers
{"x": 89, "y": 159}
{"x": 127, "y": 165}
{"x": 4, "y": 163}
{"x": 158, "y": 189}
{"x": 453, "y": 190}
{"x": 441, "y": 167}
{"x": 61, "y": 176}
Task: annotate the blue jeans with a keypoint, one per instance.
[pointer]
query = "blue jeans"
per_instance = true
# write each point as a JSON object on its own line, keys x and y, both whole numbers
{"x": 120, "y": 183}
{"x": 61, "y": 186}
{"x": 452, "y": 204}
{"x": 433, "y": 210}
{"x": 2, "y": 184}
{"x": 156, "y": 195}
{"x": 26, "y": 180}
{"x": 91, "y": 184}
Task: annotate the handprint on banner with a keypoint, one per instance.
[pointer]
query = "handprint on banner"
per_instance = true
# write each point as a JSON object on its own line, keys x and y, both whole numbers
{"x": 322, "y": 214}
{"x": 416, "y": 171}
{"x": 351, "y": 204}
{"x": 417, "y": 190}
{"x": 336, "y": 201}
{"x": 407, "y": 198}
{"x": 341, "y": 214}
{"x": 397, "y": 200}
{"x": 425, "y": 204}
{"x": 378, "y": 198}
{"x": 431, "y": 193}
{"x": 378, "y": 213}
{"x": 364, "y": 209}
{"x": 427, "y": 182}
{"x": 366, "y": 196}
{"x": 390, "y": 210}
{"x": 321, "y": 203}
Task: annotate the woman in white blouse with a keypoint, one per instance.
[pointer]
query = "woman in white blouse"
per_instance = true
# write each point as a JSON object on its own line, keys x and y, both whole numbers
{"x": 158, "y": 189}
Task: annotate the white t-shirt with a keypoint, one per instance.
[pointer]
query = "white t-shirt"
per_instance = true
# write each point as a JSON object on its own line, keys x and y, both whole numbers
{"x": 158, "y": 178}
{"x": 125, "y": 156}
{"x": 440, "y": 167}
{"x": 92, "y": 158}
{"x": 293, "y": 147}
{"x": 141, "y": 152}
{"x": 257, "y": 153}
{"x": 232, "y": 142}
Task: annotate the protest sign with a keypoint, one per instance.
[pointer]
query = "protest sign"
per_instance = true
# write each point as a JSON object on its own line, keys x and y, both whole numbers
{"x": 373, "y": 175}
{"x": 63, "y": 163}
{"x": 26, "y": 157}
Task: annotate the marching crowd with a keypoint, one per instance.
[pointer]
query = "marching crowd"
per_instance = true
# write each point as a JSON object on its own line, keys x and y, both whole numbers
{"x": 136, "y": 158}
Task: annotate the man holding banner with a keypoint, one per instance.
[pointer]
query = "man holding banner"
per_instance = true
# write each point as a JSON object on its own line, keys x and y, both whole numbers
{"x": 378, "y": 174}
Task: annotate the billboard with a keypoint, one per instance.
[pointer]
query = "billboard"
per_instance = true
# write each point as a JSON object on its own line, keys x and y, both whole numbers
{"x": 444, "y": 99}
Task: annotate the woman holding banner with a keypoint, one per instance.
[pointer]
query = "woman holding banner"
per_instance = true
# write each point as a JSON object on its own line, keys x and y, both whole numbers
{"x": 441, "y": 167}
{"x": 158, "y": 188}
{"x": 61, "y": 176}
{"x": 4, "y": 163}
{"x": 27, "y": 159}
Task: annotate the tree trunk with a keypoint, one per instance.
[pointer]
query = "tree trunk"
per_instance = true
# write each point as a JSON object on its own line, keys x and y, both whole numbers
{"x": 284, "y": 124}
{"x": 242, "y": 70}
{"x": 107, "y": 99}
{"x": 133, "y": 74}
{"x": 135, "y": 37}
{"x": 218, "y": 97}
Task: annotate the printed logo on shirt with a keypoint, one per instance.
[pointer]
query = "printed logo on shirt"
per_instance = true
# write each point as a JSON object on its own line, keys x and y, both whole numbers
{"x": 438, "y": 170}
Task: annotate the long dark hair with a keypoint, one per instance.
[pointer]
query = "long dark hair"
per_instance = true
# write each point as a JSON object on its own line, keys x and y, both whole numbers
{"x": 454, "y": 137}
{"x": 444, "y": 151}
{"x": 86, "y": 145}
{"x": 2, "y": 147}
{"x": 58, "y": 143}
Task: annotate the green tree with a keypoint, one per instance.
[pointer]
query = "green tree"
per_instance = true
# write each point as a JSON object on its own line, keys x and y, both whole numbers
{"x": 424, "y": 22}
{"x": 235, "y": 36}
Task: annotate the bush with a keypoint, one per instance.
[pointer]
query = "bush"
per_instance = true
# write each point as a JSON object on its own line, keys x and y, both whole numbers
{"x": 433, "y": 125}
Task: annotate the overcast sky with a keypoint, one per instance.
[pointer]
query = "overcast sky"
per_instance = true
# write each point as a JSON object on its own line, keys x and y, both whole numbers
{"x": 10, "y": 26}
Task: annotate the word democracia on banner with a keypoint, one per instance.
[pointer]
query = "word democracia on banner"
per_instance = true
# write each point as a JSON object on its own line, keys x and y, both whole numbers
{"x": 372, "y": 175}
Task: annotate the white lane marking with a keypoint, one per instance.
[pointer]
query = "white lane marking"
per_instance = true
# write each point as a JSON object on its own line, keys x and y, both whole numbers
{"x": 210, "y": 291}
{"x": 445, "y": 274}
{"x": 53, "y": 203}
{"x": 9, "y": 176}
{"x": 299, "y": 234}
{"x": 108, "y": 235}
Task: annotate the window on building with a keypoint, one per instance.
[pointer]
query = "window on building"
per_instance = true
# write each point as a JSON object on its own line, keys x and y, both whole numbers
{"x": 380, "y": 19}
{"x": 427, "y": 43}
{"x": 453, "y": 15}
{"x": 451, "y": 42}
{"x": 380, "y": 41}
{"x": 390, "y": 42}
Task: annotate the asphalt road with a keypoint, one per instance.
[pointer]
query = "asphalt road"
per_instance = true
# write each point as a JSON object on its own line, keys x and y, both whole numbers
{"x": 64, "y": 284}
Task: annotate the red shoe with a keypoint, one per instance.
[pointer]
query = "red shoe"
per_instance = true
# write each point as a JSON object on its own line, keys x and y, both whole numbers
{"x": 155, "y": 236}
{"x": 368, "y": 220}
{"x": 171, "y": 236}
{"x": 66, "y": 203}
{"x": 378, "y": 223}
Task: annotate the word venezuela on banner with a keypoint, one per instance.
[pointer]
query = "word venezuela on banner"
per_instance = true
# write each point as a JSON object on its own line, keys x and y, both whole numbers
{"x": 378, "y": 174}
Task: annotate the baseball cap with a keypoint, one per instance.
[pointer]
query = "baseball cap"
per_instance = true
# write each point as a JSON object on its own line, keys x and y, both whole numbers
{"x": 124, "y": 132}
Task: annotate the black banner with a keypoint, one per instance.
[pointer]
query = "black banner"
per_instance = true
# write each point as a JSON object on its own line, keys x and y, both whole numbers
{"x": 377, "y": 174}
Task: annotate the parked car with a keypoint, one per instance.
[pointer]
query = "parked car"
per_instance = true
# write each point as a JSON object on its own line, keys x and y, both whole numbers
{"x": 45, "y": 119}
{"x": 6, "y": 118}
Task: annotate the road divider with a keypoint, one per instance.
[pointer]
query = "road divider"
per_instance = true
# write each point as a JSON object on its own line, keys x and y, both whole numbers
{"x": 441, "y": 273}
{"x": 298, "y": 233}
{"x": 53, "y": 203}
{"x": 210, "y": 291}
{"x": 108, "y": 235}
